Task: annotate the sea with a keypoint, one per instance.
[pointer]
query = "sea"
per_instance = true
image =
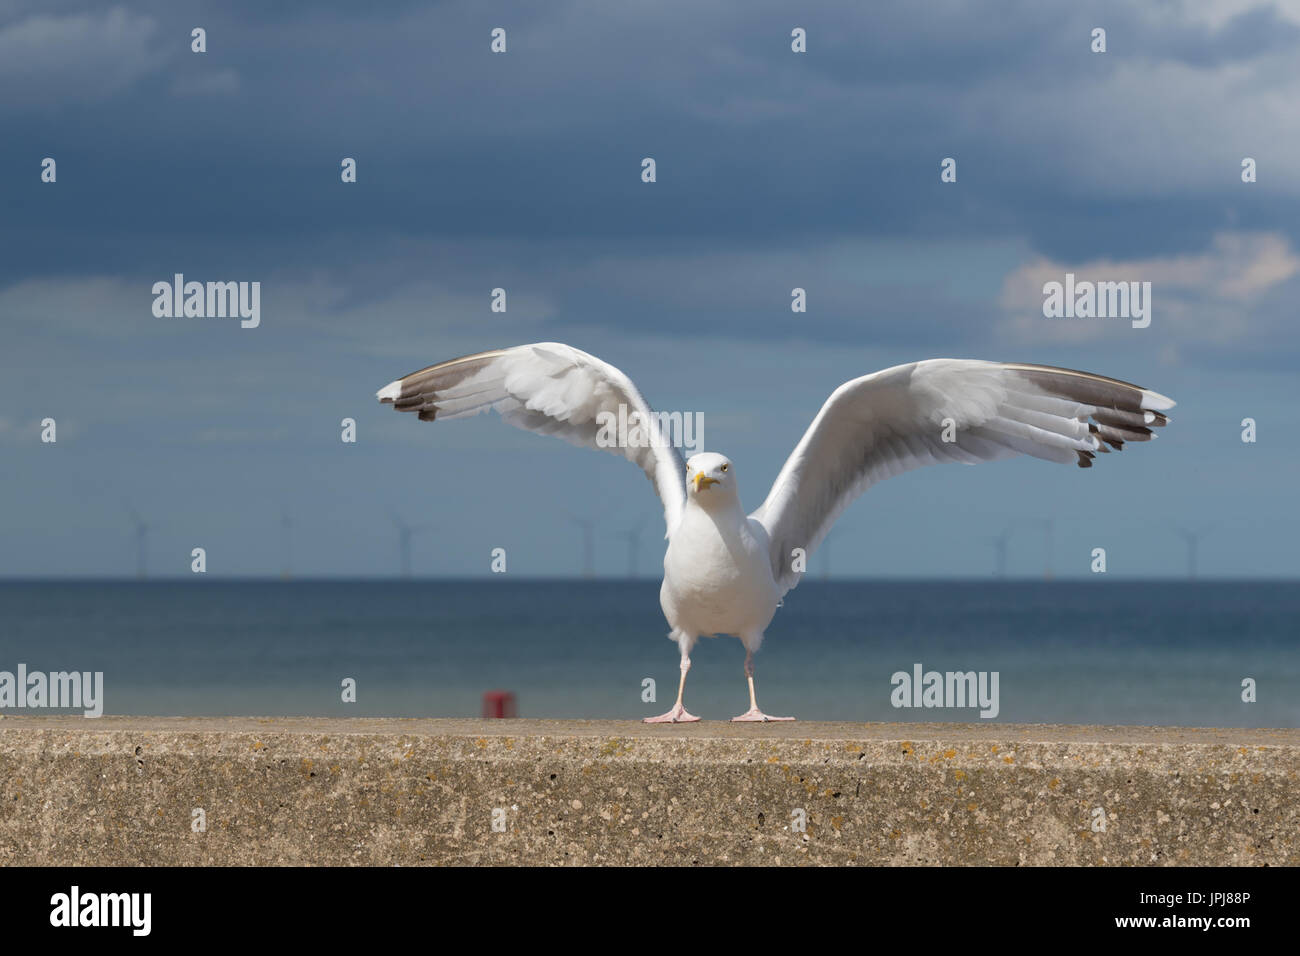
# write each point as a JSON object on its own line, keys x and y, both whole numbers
{"x": 1188, "y": 653}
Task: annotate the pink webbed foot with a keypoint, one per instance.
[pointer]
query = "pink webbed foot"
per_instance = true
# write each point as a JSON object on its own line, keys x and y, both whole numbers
{"x": 754, "y": 715}
{"x": 677, "y": 715}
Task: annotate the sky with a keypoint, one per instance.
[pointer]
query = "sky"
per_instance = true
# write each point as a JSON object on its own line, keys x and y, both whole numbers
{"x": 522, "y": 170}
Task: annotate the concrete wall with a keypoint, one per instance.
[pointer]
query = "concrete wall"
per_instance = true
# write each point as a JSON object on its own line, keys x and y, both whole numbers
{"x": 316, "y": 791}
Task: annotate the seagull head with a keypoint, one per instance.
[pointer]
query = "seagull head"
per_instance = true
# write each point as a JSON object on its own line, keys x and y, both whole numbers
{"x": 710, "y": 477}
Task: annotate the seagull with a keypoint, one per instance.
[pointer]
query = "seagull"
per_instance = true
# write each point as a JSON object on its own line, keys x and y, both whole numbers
{"x": 725, "y": 572}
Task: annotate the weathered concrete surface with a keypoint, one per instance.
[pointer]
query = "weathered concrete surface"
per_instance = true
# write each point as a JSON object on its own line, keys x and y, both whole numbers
{"x": 329, "y": 791}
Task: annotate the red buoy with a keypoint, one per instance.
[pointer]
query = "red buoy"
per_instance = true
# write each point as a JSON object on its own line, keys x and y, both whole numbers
{"x": 499, "y": 703}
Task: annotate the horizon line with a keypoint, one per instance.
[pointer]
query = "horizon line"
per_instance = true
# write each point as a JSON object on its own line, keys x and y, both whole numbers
{"x": 579, "y": 579}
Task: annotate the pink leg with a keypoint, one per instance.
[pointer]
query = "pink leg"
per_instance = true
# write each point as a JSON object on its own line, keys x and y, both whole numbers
{"x": 678, "y": 714}
{"x": 753, "y": 714}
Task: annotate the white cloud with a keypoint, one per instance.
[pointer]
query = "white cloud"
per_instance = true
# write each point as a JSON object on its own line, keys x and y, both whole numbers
{"x": 207, "y": 84}
{"x": 1207, "y": 297}
{"x": 86, "y": 57}
{"x": 101, "y": 305}
{"x": 1215, "y": 13}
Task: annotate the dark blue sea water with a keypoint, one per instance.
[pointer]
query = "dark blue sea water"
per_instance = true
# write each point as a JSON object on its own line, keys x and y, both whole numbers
{"x": 1076, "y": 652}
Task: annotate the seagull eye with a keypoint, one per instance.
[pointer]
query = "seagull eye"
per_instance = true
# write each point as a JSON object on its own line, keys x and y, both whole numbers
{"x": 724, "y": 467}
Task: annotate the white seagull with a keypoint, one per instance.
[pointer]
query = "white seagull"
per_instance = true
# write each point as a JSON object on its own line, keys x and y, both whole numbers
{"x": 725, "y": 572}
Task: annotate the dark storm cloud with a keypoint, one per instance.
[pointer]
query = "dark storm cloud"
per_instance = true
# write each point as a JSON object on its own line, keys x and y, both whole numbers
{"x": 754, "y": 143}
{"x": 775, "y": 171}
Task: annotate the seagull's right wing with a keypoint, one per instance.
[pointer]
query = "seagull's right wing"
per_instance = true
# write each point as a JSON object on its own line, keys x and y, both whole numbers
{"x": 551, "y": 389}
{"x": 943, "y": 410}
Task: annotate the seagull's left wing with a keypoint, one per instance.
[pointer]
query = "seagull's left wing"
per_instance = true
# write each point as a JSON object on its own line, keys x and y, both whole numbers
{"x": 943, "y": 410}
{"x": 552, "y": 389}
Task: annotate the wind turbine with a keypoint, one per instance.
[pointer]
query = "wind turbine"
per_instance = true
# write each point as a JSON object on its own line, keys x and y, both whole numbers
{"x": 588, "y": 526}
{"x": 142, "y": 529}
{"x": 999, "y": 543}
{"x": 1193, "y": 540}
{"x": 286, "y": 534}
{"x": 404, "y": 534}
{"x": 633, "y": 537}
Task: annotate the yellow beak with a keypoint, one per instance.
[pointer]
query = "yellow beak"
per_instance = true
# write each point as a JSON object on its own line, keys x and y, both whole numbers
{"x": 703, "y": 481}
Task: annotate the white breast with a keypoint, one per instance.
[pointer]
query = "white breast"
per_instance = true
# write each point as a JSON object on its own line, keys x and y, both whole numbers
{"x": 717, "y": 576}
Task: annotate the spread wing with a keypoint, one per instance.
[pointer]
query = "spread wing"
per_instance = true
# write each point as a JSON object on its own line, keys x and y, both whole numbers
{"x": 551, "y": 389}
{"x": 943, "y": 410}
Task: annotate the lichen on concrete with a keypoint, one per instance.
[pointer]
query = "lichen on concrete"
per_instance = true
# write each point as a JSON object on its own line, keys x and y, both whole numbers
{"x": 465, "y": 792}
